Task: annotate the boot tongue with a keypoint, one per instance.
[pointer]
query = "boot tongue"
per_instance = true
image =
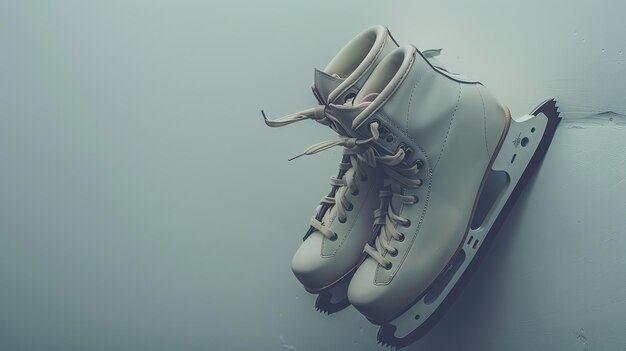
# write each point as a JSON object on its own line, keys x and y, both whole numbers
{"x": 432, "y": 55}
{"x": 324, "y": 84}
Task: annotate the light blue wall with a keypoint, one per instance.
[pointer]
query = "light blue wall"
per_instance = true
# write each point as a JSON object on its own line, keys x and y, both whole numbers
{"x": 144, "y": 205}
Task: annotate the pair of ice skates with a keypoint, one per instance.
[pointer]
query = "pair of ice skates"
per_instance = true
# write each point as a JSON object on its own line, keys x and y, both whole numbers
{"x": 431, "y": 163}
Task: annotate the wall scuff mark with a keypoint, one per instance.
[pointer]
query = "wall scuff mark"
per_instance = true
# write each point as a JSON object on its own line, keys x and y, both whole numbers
{"x": 601, "y": 119}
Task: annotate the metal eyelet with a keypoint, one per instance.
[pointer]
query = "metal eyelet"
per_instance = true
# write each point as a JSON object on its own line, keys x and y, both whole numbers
{"x": 388, "y": 267}
{"x": 401, "y": 238}
{"x": 355, "y": 192}
{"x": 350, "y": 208}
{"x": 407, "y": 224}
{"x": 415, "y": 199}
{"x": 393, "y": 253}
{"x": 419, "y": 163}
{"x": 342, "y": 221}
{"x": 333, "y": 238}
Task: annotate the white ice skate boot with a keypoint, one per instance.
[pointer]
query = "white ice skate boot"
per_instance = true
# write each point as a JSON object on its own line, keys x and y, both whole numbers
{"x": 342, "y": 225}
{"x": 439, "y": 139}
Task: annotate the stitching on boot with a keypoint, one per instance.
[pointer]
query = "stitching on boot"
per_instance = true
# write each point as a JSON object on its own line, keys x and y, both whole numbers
{"x": 445, "y": 141}
{"x": 484, "y": 120}
{"x": 419, "y": 79}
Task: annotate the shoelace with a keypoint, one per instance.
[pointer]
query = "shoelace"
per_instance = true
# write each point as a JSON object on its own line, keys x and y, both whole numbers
{"x": 316, "y": 113}
{"x": 387, "y": 218}
{"x": 364, "y": 154}
{"x": 356, "y": 152}
{"x": 340, "y": 186}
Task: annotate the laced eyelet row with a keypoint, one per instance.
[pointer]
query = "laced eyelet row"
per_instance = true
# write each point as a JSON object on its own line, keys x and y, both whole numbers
{"x": 353, "y": 147}
{"x": 394, "y": 253}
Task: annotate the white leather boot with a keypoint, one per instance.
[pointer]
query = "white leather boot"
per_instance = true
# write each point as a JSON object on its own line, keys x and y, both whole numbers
{"x": 342, "y": 225}
{"x": 437, "y": 137}
{"x": 453, "y": 128}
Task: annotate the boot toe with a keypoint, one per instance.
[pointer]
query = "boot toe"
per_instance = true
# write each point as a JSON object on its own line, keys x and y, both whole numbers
{"x": 313, "y": 270}
{"x": 374, "y": 301}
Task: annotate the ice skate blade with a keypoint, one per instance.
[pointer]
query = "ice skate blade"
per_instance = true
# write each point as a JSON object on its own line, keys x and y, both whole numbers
{"x": 335, "y": 298}
{"x": 523, "y": 148}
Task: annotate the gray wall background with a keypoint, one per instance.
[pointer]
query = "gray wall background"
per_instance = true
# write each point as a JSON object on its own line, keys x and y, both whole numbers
{"x": 144, "y": 205}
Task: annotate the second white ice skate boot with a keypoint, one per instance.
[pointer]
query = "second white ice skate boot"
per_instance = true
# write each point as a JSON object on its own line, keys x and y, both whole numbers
{"x": 438, "y": 138}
